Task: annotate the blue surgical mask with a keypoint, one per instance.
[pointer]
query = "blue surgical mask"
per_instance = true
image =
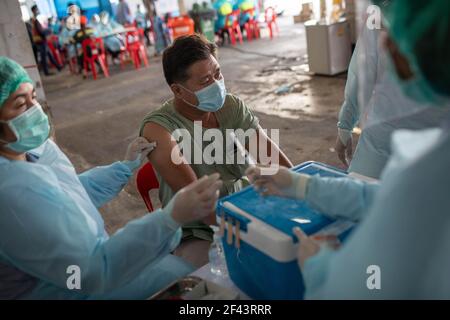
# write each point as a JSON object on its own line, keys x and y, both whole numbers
{"x": 211, "y": 98}
{"x": 31, "y": 129}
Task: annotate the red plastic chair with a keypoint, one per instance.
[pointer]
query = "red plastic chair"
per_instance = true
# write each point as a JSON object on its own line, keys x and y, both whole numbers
{"x": 271, "y": 20}
{"x": 233, "y": 28}
{"x": 122, "y": 58}
{"x": 51, "y": 41}
{"x": 146, "y": 181}
{"x": 136, "y": 48}
{"x": 123, "y": 52}
{"x": 97, "y": 54}
{"x": 251, "y": 26}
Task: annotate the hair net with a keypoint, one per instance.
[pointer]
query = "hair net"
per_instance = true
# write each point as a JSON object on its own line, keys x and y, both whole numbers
{"x": 421, "y": 30}
{"x": 104, "y": 17}
{"x": 12, "y": 75}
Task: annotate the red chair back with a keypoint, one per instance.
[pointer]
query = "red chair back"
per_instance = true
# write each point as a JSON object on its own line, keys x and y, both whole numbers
{"x": 52, "y": 43}
{"x": 89, "y": 42}
{"x": 133, "y": 37}
{"x": 54, "y": 38}
{"x": 251, "y": 12}
{"x": 97, "y": 54}
{"x": 99, "y": 44}
{"x": 235, "y": 19}
{"x": 146, "y": 181}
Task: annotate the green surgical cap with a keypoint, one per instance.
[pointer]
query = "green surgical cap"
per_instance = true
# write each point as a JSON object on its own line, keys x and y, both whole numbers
{"x": 12, "y": 75}
{"x": 421, "y": 30}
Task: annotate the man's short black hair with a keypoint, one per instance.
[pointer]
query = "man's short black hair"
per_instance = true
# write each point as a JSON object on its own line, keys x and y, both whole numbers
{"x": 184, "y": 52}
{"x": 34, "y": 8}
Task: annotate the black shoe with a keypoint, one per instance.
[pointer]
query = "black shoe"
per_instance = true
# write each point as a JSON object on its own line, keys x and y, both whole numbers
{"x": 49, "y": 74}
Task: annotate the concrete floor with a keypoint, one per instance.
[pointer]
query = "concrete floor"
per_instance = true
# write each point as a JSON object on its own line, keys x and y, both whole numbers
{"x": 95, "y": 120}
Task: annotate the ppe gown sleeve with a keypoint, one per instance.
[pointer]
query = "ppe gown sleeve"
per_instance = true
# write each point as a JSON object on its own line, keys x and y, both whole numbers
{"x": 337, "y": 198}
{"x": 350, "y": 112}
{"x": 341, "y": 198}
{"x": 46, "y": 234}
{"x": 315, "y": 272}
{"x": 403, "y": 239}
{"x": 104, "y": 183}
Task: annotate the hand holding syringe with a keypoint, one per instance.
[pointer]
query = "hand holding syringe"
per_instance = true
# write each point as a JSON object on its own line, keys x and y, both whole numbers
{"x": 248, "y": 158}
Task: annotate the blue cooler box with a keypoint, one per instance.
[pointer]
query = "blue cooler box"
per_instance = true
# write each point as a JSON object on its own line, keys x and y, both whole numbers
{"x": 263, "y": 262}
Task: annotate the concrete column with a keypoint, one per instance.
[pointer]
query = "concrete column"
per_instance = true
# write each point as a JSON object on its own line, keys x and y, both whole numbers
{"x": 15, "y": 43}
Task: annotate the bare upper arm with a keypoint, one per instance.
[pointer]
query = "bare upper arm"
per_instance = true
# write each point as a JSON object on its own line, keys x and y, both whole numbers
{"x": 174, "y": 174}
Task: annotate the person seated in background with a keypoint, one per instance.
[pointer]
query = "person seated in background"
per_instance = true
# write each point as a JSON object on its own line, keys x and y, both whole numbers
{"x": 84, "y": 33}
{"x": 223, "y": 8}
{"x": 94, "y": 22}
{"x": 107, "y": 20}
{"x": 246, "y": 7}
{"x": 193, "y": 73}
{"x": 114, "y": 45}
{"x": 73, "y": 16}
{"x": 66, "y": 41}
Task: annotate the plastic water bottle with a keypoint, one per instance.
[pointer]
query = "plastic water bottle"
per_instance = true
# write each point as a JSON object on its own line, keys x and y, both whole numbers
{"x": 217, "y": 256}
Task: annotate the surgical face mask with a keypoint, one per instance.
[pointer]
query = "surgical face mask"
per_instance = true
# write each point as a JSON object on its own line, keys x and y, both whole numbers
{"x": 31, "y": 129}
{"x": 211, "y": 98}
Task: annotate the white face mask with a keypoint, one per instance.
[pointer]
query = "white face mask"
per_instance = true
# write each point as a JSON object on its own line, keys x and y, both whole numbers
{"x": 211, "y": 98}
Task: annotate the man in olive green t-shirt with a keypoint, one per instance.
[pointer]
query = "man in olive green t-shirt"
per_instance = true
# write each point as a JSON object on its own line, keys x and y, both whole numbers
{"x": 193, "y": 74}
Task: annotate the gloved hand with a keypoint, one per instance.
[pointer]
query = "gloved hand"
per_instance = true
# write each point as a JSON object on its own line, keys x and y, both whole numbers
{"x": 310, "y": 246}
{"x": 137, "y": 152}
{"x": 344, "y": 146}
{"x": 285, "y": 183}
{"x": 196, "y": 201}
